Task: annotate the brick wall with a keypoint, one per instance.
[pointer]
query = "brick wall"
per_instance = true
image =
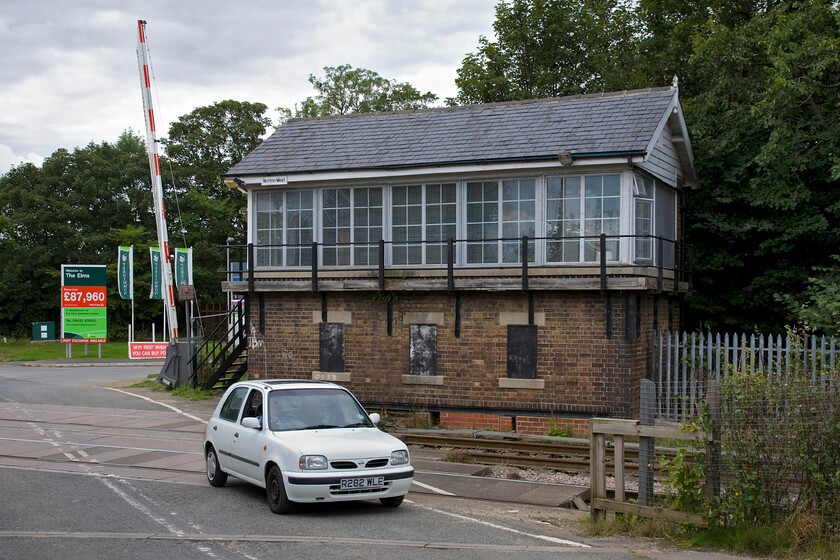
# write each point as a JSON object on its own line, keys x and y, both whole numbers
{"x": 585, "y": 372}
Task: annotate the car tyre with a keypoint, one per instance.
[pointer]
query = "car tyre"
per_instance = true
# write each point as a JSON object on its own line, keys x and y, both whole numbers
{"x": 392, "y": 502}
{"x": 215, "y": 476}
{"x": 275, "y": 491}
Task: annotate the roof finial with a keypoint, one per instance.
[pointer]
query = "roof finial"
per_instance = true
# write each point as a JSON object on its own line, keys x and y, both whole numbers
{"x": 675, "y": 84}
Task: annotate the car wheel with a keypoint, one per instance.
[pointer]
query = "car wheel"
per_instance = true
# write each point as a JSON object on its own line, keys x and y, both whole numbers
{"x": 275, "y": 491}
{"x": 215, "y": 476}
{"x": 392, "y": 502}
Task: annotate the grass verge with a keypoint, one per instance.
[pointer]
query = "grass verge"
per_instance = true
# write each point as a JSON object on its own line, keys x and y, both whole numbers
{"x": 754, "y": 541}
{"x": 21, "y": 350}
{"x": 188, "y": 393}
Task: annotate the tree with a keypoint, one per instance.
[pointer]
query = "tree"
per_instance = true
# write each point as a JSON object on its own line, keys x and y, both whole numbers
{"x": 547, "y": 48}
{"x": 202, "y": 146}
{"x": 71, "y": 210}
{"x": 345, "y": 90}
{"x": 766, "y": 130}
{"x": 759, "y": 86}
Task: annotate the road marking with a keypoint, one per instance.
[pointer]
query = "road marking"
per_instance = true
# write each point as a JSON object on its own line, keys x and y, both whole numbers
{"x": 109, "y": 446}
{"x": 169, "y": 406}
{"x": 432, "y": 488}
{"x": 503, "y": 528}
{"x": 305, "y": 539}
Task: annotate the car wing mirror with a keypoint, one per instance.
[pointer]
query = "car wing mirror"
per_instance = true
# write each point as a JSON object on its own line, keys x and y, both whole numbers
{"x": 375, "y": 418}
{"x": 251, "y": 422}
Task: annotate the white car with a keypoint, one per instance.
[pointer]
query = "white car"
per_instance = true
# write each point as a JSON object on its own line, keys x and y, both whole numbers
{"x": 304, "y": 442}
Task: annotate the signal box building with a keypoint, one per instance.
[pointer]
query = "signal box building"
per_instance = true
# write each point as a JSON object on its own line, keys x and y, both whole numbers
{"x": 500, "y": 265}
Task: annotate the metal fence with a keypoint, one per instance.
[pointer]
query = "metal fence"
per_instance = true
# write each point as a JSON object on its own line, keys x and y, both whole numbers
{"x": 683, "y": 362}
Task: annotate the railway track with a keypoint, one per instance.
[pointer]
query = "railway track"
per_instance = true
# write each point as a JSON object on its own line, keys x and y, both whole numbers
{"x": 563, "y": 455}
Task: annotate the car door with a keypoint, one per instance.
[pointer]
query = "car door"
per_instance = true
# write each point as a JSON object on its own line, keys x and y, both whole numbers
{"x": 248, "y": 442}
{"x": 223, "y": 428}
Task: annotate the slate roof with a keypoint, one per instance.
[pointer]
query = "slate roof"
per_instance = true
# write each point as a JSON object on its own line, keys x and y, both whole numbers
{"x": 606, "y": 123}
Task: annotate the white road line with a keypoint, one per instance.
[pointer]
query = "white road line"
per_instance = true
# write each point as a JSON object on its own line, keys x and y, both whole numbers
{"x": 432, "y": 488}
{"x": 169, "y": 406}
{"x": 508, "y": 529}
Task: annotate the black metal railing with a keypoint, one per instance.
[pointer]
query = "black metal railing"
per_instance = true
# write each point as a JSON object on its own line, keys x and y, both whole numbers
{"x": 604, "y": 251}
{"x": 221, "y": 348}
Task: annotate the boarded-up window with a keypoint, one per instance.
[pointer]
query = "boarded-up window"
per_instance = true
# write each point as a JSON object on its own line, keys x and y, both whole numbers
{"x": 522, "y": 351}
{"x": 423, "y": 351}
{"x": 332, "y": 347}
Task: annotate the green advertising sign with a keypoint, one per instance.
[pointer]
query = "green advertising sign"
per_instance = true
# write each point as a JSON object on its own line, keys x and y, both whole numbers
{"x": 125, "y": 272}
{"x": 157, "y": 283}
{"x": 183, "y": 267}
{"x": 84, "y": 306}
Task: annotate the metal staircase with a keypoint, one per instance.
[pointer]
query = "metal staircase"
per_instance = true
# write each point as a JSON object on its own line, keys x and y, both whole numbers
{"x": 223, "y": 359}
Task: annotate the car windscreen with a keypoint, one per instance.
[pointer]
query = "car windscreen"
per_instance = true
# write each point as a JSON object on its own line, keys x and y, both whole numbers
{"x": 315, "y": 408}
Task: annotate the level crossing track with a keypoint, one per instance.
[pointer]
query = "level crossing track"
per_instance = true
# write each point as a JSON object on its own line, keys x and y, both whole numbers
{"x": 559, "y": 454}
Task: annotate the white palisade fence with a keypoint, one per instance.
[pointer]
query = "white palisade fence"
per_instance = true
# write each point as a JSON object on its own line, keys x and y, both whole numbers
{"x": 683, "y": 363}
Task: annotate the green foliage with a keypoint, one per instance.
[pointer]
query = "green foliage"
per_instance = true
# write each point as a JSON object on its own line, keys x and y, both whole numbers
{"x": 684, "y": 484}
{"x": 779, "y": 442}
{"x": 192, "y": 394}
{"x": 764, "y": 123}
{"x": 76, "y": 208}
{"x": 203, "y": 145}
{"x": 554, "y": 429}
{"x": 818, "y": 307}
{"x": 758, "y": 85}
{"x": 546, "y": 48}
{"x": 344, "y": 90}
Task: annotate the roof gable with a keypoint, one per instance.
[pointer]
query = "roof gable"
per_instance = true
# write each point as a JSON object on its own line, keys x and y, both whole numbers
{"x": 620, "y": 123}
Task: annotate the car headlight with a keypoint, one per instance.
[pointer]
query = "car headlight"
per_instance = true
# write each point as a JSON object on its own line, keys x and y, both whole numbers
{"x": 313, "y": 463}
{"x": 399, "y": 457}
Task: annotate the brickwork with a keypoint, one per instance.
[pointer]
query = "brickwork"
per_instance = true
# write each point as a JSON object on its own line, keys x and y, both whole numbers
{"x": 586, "y": 372}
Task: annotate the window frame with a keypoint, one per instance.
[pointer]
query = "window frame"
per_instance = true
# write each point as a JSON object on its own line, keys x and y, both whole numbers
{"x": 424, "y": 225}
{"x": 355, "y": 250}
{"x": 284, "y": 253}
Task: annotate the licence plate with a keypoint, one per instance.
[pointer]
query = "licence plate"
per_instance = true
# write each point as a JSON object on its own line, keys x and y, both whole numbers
{"x": 367, "y": 482}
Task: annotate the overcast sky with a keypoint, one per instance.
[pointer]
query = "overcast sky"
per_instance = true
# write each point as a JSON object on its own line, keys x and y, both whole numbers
{"x": 68, "y": 68}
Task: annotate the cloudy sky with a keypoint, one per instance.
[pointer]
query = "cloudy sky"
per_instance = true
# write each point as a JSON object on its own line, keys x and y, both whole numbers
{"x": 69, "y": 67}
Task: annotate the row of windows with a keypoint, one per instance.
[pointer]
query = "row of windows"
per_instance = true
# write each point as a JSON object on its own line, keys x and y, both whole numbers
{"x": 418, "y": 220}
{"x": 521, "y": 350}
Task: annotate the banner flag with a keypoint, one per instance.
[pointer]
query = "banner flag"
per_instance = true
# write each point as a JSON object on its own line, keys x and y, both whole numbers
{"x": 183, "y": 267}
{"x": 125, "y": 271}
{"x": 157, "y": 282}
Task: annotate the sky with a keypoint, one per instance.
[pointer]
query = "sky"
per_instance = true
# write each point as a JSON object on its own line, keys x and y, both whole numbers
{"x": 70, "y": 76}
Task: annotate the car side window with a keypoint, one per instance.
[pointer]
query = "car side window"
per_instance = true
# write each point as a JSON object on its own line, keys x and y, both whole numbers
{"x": 254, "y": 405}
{"x": 230, "y": 410}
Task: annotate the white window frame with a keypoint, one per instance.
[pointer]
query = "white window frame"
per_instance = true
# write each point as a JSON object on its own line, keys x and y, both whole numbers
{"x": 285, "y": 252}
{"x": 372, "y": 251}
{"x": 423, "y": 225}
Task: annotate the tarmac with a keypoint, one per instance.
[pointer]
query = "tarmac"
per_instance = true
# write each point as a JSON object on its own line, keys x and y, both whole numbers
{"x": 180, "y": 458}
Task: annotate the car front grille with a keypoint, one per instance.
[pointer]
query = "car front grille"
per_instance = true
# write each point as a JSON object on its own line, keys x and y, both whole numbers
{"x": 349, "y": 465}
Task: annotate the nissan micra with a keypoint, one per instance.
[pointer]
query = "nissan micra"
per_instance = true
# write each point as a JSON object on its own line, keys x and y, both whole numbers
{"x": 304, "y": 442}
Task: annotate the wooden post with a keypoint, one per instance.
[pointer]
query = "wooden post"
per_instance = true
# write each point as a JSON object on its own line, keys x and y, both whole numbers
{"x": 619, "y": 468}
{"x": 597, "y": 472}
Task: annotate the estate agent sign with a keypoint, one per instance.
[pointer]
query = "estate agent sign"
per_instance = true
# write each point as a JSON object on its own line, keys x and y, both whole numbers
{"x": 83, "y": 303}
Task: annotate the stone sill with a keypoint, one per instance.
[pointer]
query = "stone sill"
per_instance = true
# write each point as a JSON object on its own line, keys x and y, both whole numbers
{"x": 332, "y": 376}
{"x": 422, "y": 379}
{"x": 515, "y": 383}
